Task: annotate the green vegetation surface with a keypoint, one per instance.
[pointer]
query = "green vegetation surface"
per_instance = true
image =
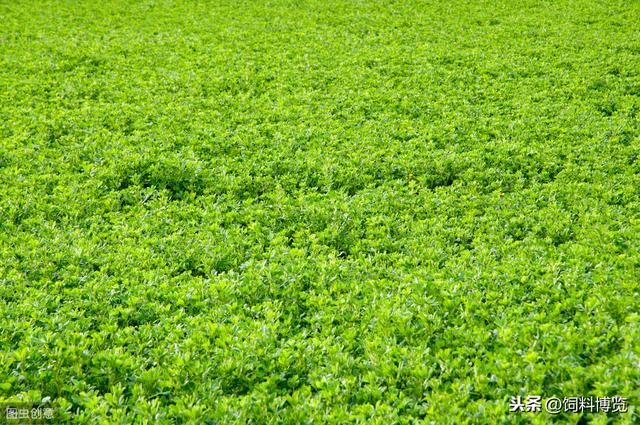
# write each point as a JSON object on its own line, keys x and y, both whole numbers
{"x": 319, "y": 211}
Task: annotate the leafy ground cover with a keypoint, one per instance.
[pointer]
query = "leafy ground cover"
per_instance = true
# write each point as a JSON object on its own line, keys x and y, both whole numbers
{"x": 319, "y": 211}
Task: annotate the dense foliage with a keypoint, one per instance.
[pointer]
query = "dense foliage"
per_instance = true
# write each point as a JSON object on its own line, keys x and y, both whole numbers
{"x": 319, "y": 211}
